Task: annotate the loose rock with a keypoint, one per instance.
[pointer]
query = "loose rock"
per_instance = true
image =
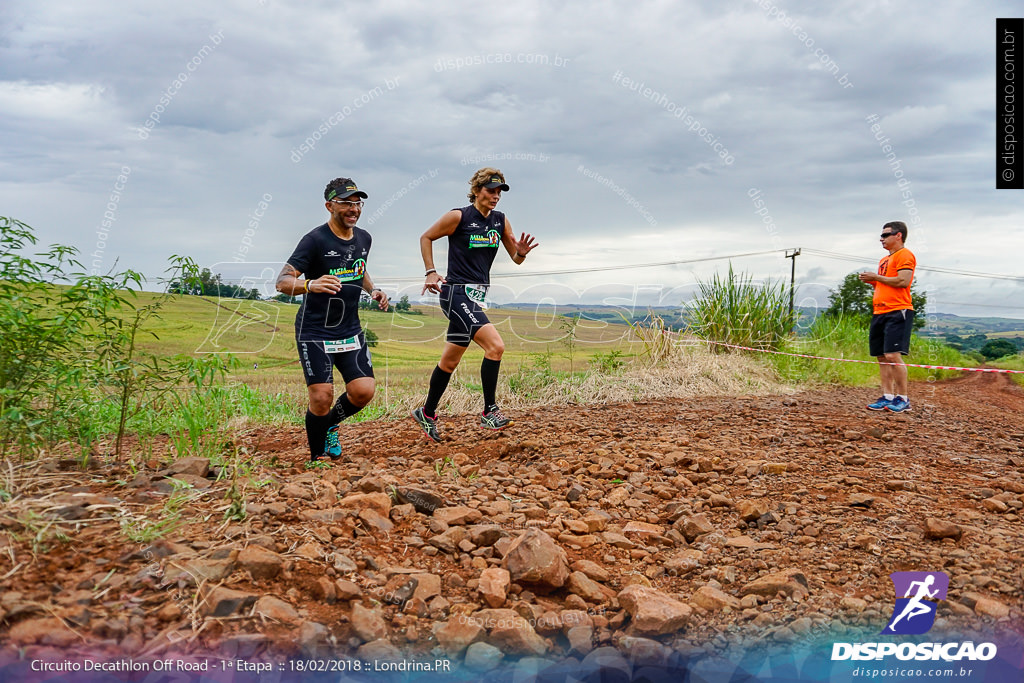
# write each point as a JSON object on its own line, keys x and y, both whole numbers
{"x": 653, "y": 612}
{"x": 535, "y": 559}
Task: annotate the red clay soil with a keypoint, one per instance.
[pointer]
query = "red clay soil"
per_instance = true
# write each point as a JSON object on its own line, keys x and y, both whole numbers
{"x": 835, "y": 495}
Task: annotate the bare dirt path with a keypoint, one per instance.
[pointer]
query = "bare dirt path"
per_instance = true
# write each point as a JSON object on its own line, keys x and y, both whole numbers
{"x": 774, "y": 519}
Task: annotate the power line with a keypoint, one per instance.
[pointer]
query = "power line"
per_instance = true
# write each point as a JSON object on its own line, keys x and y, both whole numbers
{"x": 658, "y": 264}
{"x": 931, "y": 269}
{"x": 594, "y": 269}
{"x": 633, "y": 265}
{"x": 817, "y": 252}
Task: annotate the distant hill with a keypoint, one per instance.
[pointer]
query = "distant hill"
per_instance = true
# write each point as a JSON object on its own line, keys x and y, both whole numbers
{"x": 939, "y": 324}
{"x": 947, "y": 323}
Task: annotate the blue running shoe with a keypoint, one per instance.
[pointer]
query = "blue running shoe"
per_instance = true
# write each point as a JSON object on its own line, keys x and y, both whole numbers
{"x": 332, "y": 449}
{"x": 899, "y": 405}
{"x": 881, "y": 404}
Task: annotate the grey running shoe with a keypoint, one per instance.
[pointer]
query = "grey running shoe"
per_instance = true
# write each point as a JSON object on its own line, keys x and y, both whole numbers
{"x": 494, "y": 420}
{"x": 427, "y": 424}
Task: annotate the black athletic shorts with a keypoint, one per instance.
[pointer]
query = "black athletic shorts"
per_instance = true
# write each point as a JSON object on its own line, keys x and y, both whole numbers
{"x": 461, "y": 305}
{"x": 318, "y": 360}
{"x": 890, "y": 332}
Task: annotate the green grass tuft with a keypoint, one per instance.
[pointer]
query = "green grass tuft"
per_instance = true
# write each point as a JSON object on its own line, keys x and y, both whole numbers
{"x": 846, "y": 337}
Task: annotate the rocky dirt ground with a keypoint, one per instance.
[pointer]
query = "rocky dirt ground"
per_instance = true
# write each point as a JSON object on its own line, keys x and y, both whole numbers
{"x": 673, "y": 526}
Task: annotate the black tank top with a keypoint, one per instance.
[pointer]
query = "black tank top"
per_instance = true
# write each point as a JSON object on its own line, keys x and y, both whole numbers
{"x": 473, "y": 245}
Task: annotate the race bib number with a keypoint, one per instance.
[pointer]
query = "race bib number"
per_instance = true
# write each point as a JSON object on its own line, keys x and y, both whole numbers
{"x": 342, "y": 345}
{"x": 478, "y": 294}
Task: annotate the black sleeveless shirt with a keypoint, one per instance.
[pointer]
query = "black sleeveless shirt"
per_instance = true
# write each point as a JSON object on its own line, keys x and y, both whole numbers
{"x": 473, "y": 246}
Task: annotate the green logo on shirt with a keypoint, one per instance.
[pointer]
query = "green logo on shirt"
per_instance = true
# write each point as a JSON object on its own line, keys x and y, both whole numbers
{"x": 491, "y": 239}
{"x": 356, "y": 272}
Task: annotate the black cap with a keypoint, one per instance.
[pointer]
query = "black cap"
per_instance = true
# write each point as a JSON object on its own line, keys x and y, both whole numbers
{"x": 348, "y": 188}
{"x": 496, "y": 181}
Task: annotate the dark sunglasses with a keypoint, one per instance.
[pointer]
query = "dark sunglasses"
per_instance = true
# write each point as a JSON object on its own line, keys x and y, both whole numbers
{"x": 888, "y": 234}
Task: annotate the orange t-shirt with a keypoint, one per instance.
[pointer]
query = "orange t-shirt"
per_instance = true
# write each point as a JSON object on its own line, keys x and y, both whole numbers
{"x": 888, "y": 298}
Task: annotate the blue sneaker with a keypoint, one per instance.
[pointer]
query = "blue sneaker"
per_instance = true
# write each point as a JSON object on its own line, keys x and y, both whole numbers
{"x": 899, "y": 405}
{"x": 881, "y": 404}
{"x": 332, "y": 449}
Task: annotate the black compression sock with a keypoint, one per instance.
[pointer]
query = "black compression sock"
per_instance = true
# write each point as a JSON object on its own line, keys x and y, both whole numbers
{"x": 343, "y": 409}
{"x": 489, "y": 379}
{"x": 438, "y": 383}
{"x": 316, "y": 432}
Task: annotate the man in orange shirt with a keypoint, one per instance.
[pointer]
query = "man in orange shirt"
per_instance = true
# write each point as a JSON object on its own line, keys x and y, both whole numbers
{"x": 893, "y": 319}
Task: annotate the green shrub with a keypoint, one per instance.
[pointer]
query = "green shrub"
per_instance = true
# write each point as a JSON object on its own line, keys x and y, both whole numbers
{"x": 69, "y": 355}
{"x": 736, "y": 310}
{"x": 998, "y": 348}
{"x": 846, "y": 337}
{"x": 608, "y": 363}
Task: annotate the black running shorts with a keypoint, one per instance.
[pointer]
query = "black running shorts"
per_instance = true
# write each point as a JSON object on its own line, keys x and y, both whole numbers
{"x": 890, "y": 332}
{"x": 351, "y": 357}
{"x": 461, "y": 305}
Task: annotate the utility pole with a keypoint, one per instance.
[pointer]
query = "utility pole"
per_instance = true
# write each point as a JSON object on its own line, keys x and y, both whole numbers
{"x": 792, "y": 254}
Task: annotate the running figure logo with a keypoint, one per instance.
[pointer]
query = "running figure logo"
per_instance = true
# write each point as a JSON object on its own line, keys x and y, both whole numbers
{"x": 917, "y": 594}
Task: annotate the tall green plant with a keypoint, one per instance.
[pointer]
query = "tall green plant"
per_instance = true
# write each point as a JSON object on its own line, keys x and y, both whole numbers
{"x": 45, "y": 352}
{"x": 737, "y": 310}
{"x": 569, "y": 325}
{"x": 70, "y": 343}
{"x": 139, "y": 379}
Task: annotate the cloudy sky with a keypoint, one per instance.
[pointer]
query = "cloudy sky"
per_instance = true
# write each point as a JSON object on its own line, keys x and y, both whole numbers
{"x": 630, "y": 133}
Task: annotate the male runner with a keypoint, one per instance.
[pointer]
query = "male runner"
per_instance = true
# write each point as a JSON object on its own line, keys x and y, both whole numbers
{"x": 332, "y": 259}
{"x": 473, "y": 233}
{"x": 893, "y": 319}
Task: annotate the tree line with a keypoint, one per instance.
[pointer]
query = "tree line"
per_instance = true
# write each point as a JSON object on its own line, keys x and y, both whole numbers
{"x": 206, "y": 283}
